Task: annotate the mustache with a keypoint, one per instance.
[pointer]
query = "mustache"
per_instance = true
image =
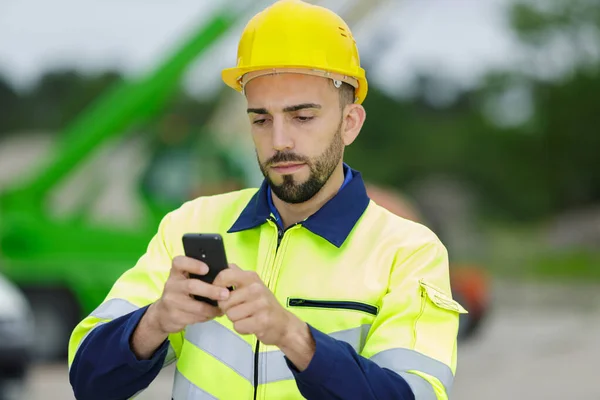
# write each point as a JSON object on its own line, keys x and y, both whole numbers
{"x": 282, "y": 157}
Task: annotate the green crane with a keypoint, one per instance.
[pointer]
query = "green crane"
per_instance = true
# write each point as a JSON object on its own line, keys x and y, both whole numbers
{"x": 66, "y": 266}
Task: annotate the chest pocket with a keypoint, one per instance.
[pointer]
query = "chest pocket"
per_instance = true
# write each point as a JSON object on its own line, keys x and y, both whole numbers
{"x": 333, "y": 305}
{"x": 345, "y": 320}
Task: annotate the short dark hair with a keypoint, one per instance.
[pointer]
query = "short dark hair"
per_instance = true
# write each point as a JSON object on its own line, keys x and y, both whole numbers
{"x": 347, "y": 94}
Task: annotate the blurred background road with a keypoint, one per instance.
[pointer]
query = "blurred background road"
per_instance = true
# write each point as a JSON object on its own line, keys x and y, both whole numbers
{"x": 482, "y": 123}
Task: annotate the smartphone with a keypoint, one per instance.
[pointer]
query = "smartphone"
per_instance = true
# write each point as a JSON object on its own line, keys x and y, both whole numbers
{"x": 208, "y": 248}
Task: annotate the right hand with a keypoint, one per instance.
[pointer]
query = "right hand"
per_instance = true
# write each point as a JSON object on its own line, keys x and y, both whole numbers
{"x": 176, "y": 308}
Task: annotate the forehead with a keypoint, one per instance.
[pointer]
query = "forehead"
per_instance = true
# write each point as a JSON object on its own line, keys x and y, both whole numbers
{"x": 286, "y": 89}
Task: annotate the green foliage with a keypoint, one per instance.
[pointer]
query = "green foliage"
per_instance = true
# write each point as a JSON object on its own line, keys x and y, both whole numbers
{"x": 536, "y": 21}
{"x": 10, "y": 108}
{"x": 573, "y": 264}
{"x": 527, "y": 170}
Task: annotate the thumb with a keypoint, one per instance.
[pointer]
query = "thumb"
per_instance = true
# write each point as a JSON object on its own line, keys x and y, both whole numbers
{"x": 234, "y": 267}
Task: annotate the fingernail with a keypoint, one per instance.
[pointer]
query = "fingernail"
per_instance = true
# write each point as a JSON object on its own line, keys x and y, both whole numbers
{"x": 224, "y": 294}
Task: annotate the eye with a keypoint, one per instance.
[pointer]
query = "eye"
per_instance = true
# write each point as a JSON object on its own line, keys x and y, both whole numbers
{"x": 260, "y": 122}
{"x": 304, "y": 118}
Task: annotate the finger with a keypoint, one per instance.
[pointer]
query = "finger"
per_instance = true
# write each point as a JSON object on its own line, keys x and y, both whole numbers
{"x": 246, "y": 326}
{"x": 176, "y": 319}
{"x": 241, "y": 311}
{"x": 185, "y": 265}
{"x": 232, "y": 277}
{"x": 234, "y": 266}
{"x": 200, "y": 288}
{"x": 182, "y": 318}
{"x": 190, "y": 305}
{"x": 237, "y": 297}
{"x": 207, "y": 313}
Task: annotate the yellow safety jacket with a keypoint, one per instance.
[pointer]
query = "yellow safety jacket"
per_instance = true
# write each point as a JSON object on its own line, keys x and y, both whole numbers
{"x": 353, "y": 270}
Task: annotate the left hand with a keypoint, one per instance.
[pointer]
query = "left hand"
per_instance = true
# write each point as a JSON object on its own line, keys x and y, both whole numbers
{"x": 253, "y": 308}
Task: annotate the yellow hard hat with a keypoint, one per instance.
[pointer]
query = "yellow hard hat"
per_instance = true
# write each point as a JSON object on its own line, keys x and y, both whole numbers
{"x": 297, "y": 37}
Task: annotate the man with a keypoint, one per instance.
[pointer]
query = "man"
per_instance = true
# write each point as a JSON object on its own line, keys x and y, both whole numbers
{"x": 335, "y": 297}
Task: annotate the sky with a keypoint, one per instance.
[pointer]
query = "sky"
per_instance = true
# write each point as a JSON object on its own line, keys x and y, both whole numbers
{"x": 459, "y": 38}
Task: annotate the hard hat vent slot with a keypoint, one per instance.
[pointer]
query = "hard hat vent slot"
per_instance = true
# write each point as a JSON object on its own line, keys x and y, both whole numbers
{"x": 343, "y": 32}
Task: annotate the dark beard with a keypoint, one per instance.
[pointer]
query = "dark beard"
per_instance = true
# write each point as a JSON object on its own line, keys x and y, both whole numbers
{"x": 321, "y": 170}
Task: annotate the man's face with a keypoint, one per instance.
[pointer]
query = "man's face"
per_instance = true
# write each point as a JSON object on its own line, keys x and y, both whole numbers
{"x": 296, "y": 125}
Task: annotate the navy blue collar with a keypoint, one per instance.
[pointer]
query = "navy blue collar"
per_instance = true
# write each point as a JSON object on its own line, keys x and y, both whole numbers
{"x": 333, "y": 222}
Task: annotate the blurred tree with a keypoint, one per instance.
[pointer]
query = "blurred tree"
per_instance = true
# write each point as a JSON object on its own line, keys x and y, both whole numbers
{"x": 567, "y": 116}
{"x": 527, "y": 144}
{"x": 539, "y": 24}
{"x": 60, "y": 95}
{"x": 10, "y": 108}
{"x": 526, "y": 141}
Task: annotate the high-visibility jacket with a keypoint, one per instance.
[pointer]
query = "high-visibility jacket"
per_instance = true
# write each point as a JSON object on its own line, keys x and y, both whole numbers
{"x": 353, "y": 271}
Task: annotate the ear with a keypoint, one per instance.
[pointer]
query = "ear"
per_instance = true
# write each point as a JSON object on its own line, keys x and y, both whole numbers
{"x": 354, "y": 116}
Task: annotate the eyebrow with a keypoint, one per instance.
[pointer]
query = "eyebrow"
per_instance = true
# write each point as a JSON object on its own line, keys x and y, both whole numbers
{"x": 296, "y": 107}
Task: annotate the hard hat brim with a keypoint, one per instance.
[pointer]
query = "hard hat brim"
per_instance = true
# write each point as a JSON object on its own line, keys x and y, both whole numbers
{"x": 232, "y": 77}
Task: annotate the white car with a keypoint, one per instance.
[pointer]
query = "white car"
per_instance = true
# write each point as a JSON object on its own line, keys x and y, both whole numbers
{"x": 16, "y": 340}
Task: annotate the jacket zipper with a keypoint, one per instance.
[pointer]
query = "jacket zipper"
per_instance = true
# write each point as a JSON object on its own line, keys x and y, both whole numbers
{"x": 280, "y": 233}
{"x": 335, "y": 304}
{"x": 256, "y": 350}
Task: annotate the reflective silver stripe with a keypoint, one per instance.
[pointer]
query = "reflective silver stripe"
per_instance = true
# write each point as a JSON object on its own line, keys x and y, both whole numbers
{"x": 273, "y": 367}
{"x": 233, "y": 351}
{"x": 114, "y": 308}
{"x": 224, "y": 345}
{"x": 403, "y": 360}
{"x": 277, "y": 370}
{"x": 183, "y": 389}
{"x": 419, "y": 386}
{"x": 355, "y": 337}
{"x": 111, "y": 309}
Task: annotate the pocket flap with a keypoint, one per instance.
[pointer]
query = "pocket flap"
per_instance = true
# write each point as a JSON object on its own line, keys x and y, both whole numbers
{"x": 441, "y": 299}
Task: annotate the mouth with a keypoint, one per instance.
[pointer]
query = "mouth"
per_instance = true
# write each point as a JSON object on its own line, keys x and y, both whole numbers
{"x": 287, "y": 168}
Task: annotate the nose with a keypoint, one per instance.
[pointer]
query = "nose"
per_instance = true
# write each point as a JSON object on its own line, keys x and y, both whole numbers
{"x": 282, "y": 140}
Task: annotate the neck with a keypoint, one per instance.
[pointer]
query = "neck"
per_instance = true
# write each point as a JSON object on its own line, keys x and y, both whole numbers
{"x": 294, "y": 213}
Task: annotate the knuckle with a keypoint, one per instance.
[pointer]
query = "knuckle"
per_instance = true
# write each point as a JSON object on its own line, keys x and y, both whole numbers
{"x": 232, "y": 315}
{"x": 240, "y": 328}
{"x": 255, "y": 288}
{"x": 167, "y": 299}
{"x": 263, "y": 302}
{"x": 177, "y": 262}
{"x": 191, "y": 286}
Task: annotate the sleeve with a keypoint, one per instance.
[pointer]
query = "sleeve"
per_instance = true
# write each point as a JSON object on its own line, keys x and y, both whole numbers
{"x": 410, "y": 352}
{"x": 338, "y": 372}
{"x": 415, "y": 332}
{"x": 101, "y": 362}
